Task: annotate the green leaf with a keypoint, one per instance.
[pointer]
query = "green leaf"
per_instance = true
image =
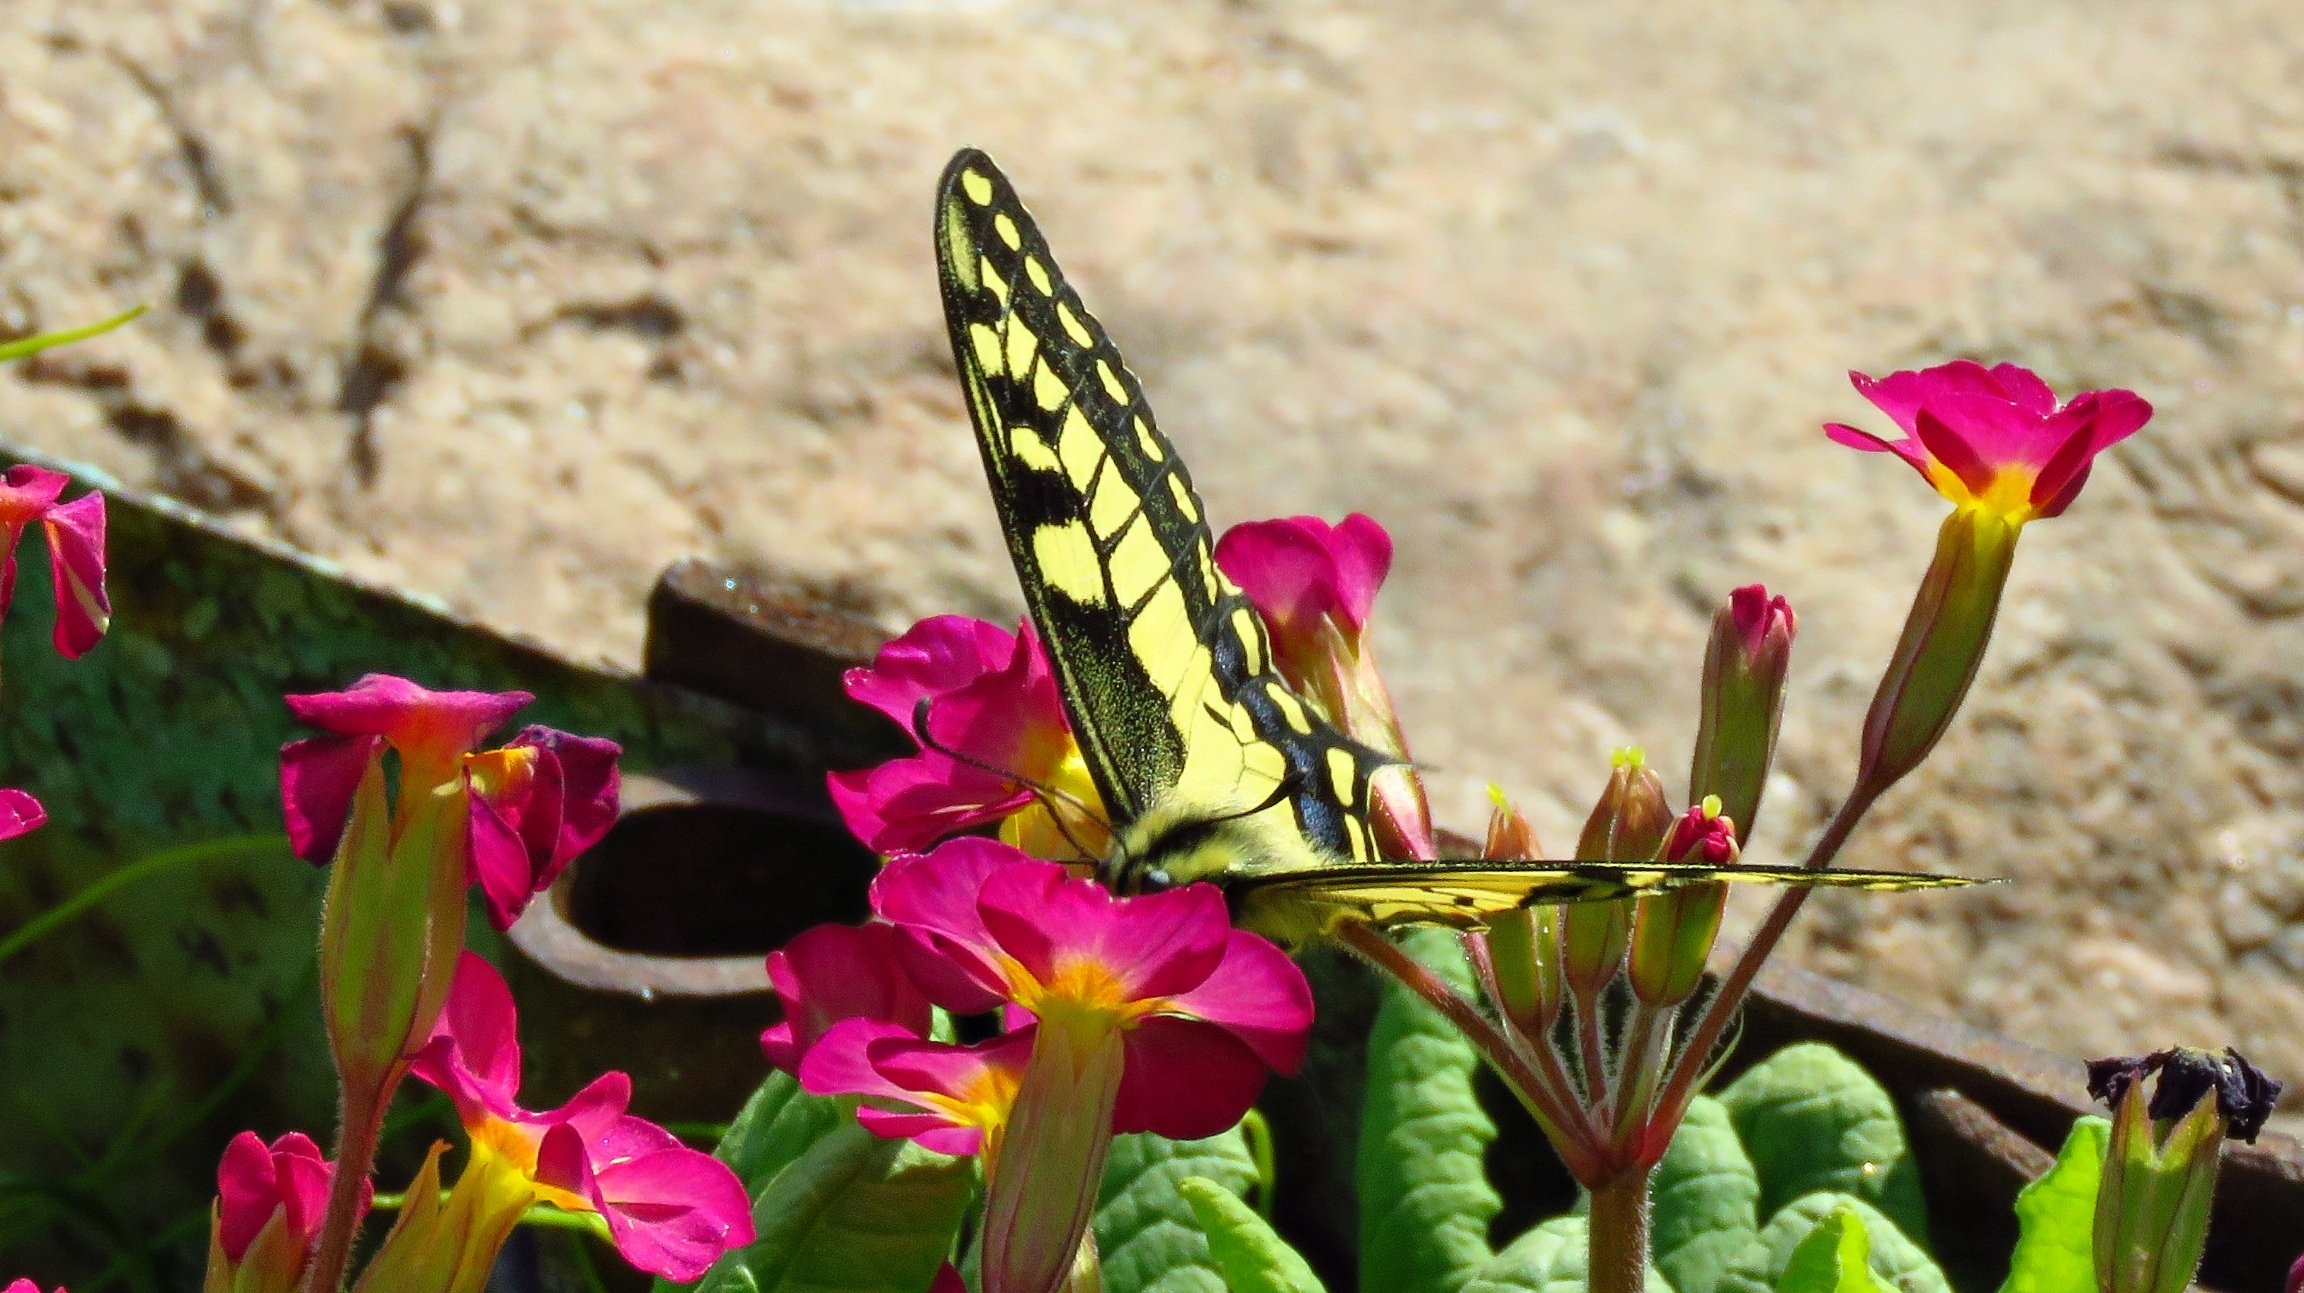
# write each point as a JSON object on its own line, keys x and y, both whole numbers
{"x": 1812, "y": 1120}
{"x": 1834, "y": 1258}
{"x": 1148, "y": 1236}
{"x": 1896, "y": 1261}
{"x": 850, "y": 1213}
{"x": 777, "y": 1125}
{"x": 2056, "y": 1218}
{"x": 1549, "y": 1259}
{"x": 1249, "y": 1254}
{"x": 1425, "y": 1201}
{"x": 1706, "y": 1199}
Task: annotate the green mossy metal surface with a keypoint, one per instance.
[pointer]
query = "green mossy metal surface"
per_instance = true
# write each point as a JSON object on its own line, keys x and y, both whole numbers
{"x": 138, "y": 1037}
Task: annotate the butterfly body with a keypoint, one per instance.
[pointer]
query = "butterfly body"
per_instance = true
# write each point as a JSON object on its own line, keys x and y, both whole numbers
{"x": 1210, "y": 765}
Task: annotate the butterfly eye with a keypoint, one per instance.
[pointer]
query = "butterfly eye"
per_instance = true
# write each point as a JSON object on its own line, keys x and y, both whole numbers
{"x": 1157, "y": 879}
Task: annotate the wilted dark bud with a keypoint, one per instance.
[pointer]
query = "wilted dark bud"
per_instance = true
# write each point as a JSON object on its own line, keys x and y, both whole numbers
{"x": 2160, "y": 1167}
{"x": 1744, "y": 669}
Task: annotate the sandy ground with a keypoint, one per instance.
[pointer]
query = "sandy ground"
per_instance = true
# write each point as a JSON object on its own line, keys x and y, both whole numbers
{"x": 512, "y": 304}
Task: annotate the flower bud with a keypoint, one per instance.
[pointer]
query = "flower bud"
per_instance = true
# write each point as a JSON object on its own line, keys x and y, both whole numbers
{"x": 1672, "y": 933}
{"x": 1523, "y": 944}
{"x": 1942, "y": 645}
{"x": 269, "y": 1201}
{"x": 2295, "y": 1278}
{"x": 1627, "y": 825}
{"x": 2160, "y": 1167}
{"x": 1744, "y": 668}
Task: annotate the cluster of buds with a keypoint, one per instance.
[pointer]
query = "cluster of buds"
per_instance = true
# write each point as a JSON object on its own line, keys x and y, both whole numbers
{"x": 1124, "y": 1015}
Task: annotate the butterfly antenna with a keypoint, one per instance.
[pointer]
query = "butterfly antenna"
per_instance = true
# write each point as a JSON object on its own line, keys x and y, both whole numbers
{"x": 1048, "y": 797}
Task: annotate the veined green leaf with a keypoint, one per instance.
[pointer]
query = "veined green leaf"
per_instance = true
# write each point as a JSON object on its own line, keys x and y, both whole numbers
{"x": 1425, "y": 1201}
{"x": 1834, "y": 1258}
{"x": 1706, "y": 1199}
{"x": 1146, "y": 1232}
{"x": 1812, "y": 1120}
{"x": 1898, "y": 1263}
{"x": 1248, "y": 1253}
{"x": 2056, "y": 1218}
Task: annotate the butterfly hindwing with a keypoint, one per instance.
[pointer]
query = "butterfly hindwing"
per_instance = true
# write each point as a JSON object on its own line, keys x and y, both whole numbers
{"x": 1468, "y": 894}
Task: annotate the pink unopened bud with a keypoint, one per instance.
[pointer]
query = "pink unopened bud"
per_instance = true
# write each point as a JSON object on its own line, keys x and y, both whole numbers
{"x": 269, "y": 1203}
{"x": 1744, "y": 669}
{"x": 1672, "y": 933}
{"x": 2295, "y": 1277}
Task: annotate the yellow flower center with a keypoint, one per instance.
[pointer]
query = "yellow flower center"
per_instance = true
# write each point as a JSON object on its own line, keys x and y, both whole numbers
{"x": 509, "y": 1149}
{"x": 2009, "y": 495}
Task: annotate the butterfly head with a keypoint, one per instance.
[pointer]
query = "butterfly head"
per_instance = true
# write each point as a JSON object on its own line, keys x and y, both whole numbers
{"x": 1181, "y": 843}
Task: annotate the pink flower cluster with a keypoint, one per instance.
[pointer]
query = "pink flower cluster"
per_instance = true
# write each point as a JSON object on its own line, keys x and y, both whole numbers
{"x": 535, "y": 803}
{"x": 30, "y": 495}
{"x": 974, "y": 926}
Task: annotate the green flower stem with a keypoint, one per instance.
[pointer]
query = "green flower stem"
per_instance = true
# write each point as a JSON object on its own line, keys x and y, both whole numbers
{"x": 1535, "y": 1084}
{"x": 1695, "y": 1060}
{"x": 361, "y": 1124}
{"x": 1616, "y": 1260}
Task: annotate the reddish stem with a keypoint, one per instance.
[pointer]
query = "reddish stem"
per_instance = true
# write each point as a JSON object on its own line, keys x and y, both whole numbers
{"x": 361, "y": 1124}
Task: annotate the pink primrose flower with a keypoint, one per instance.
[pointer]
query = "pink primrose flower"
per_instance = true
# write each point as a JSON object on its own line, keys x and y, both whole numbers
{"x": 1203, "y": 1009}
{"x": 535, "y": 803}
{"x": 1300, "y": 569}
{"x": 1995, "y": 438}
{"x": 951, "y": 1099}
{"x": 20, "y": 814}
{"x": 833, "y": 973}
{"x": 671, "y": 1210}
{"x": 27, "y": 1286}
{"x": 991, "y": 697}
{"x": 75, "y": 534}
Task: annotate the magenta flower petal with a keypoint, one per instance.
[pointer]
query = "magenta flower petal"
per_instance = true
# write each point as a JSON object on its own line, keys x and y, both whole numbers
{"x": 939, "y": 654}
{"x": 673, "y": 1211}
{"x": 28, "y": 493}
{"x": 1955, "y": 453}
{"x": 1301, "y": 568}
{"x": 906, "y": 805}
{"x": 937, "y": 890}
{"x": 420, "y": 723}
{"x": 27, "y": 1286}
{"x": 76, "y": 561}
{"x": 836, "y": 972}
{"x": 318, "y": 777}
{"x": 944, "y": 1097}
{"x": 499, "y": 862}
{"x": 473, "y": 1055}
{"x": 1259, "y": 995}
{"x": 1185, "y": 1079}
{"x": 254, "y": 1180}
{"x": 2023, "y": 388}
{"x": 585, "y": 788}
{"x": 1156, "y": 945}
{"x": 20, "y": 814}
{"x": 991, "y": 697}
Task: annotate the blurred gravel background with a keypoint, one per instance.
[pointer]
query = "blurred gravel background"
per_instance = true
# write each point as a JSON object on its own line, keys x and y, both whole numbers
{"x": 511, "y": 304}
